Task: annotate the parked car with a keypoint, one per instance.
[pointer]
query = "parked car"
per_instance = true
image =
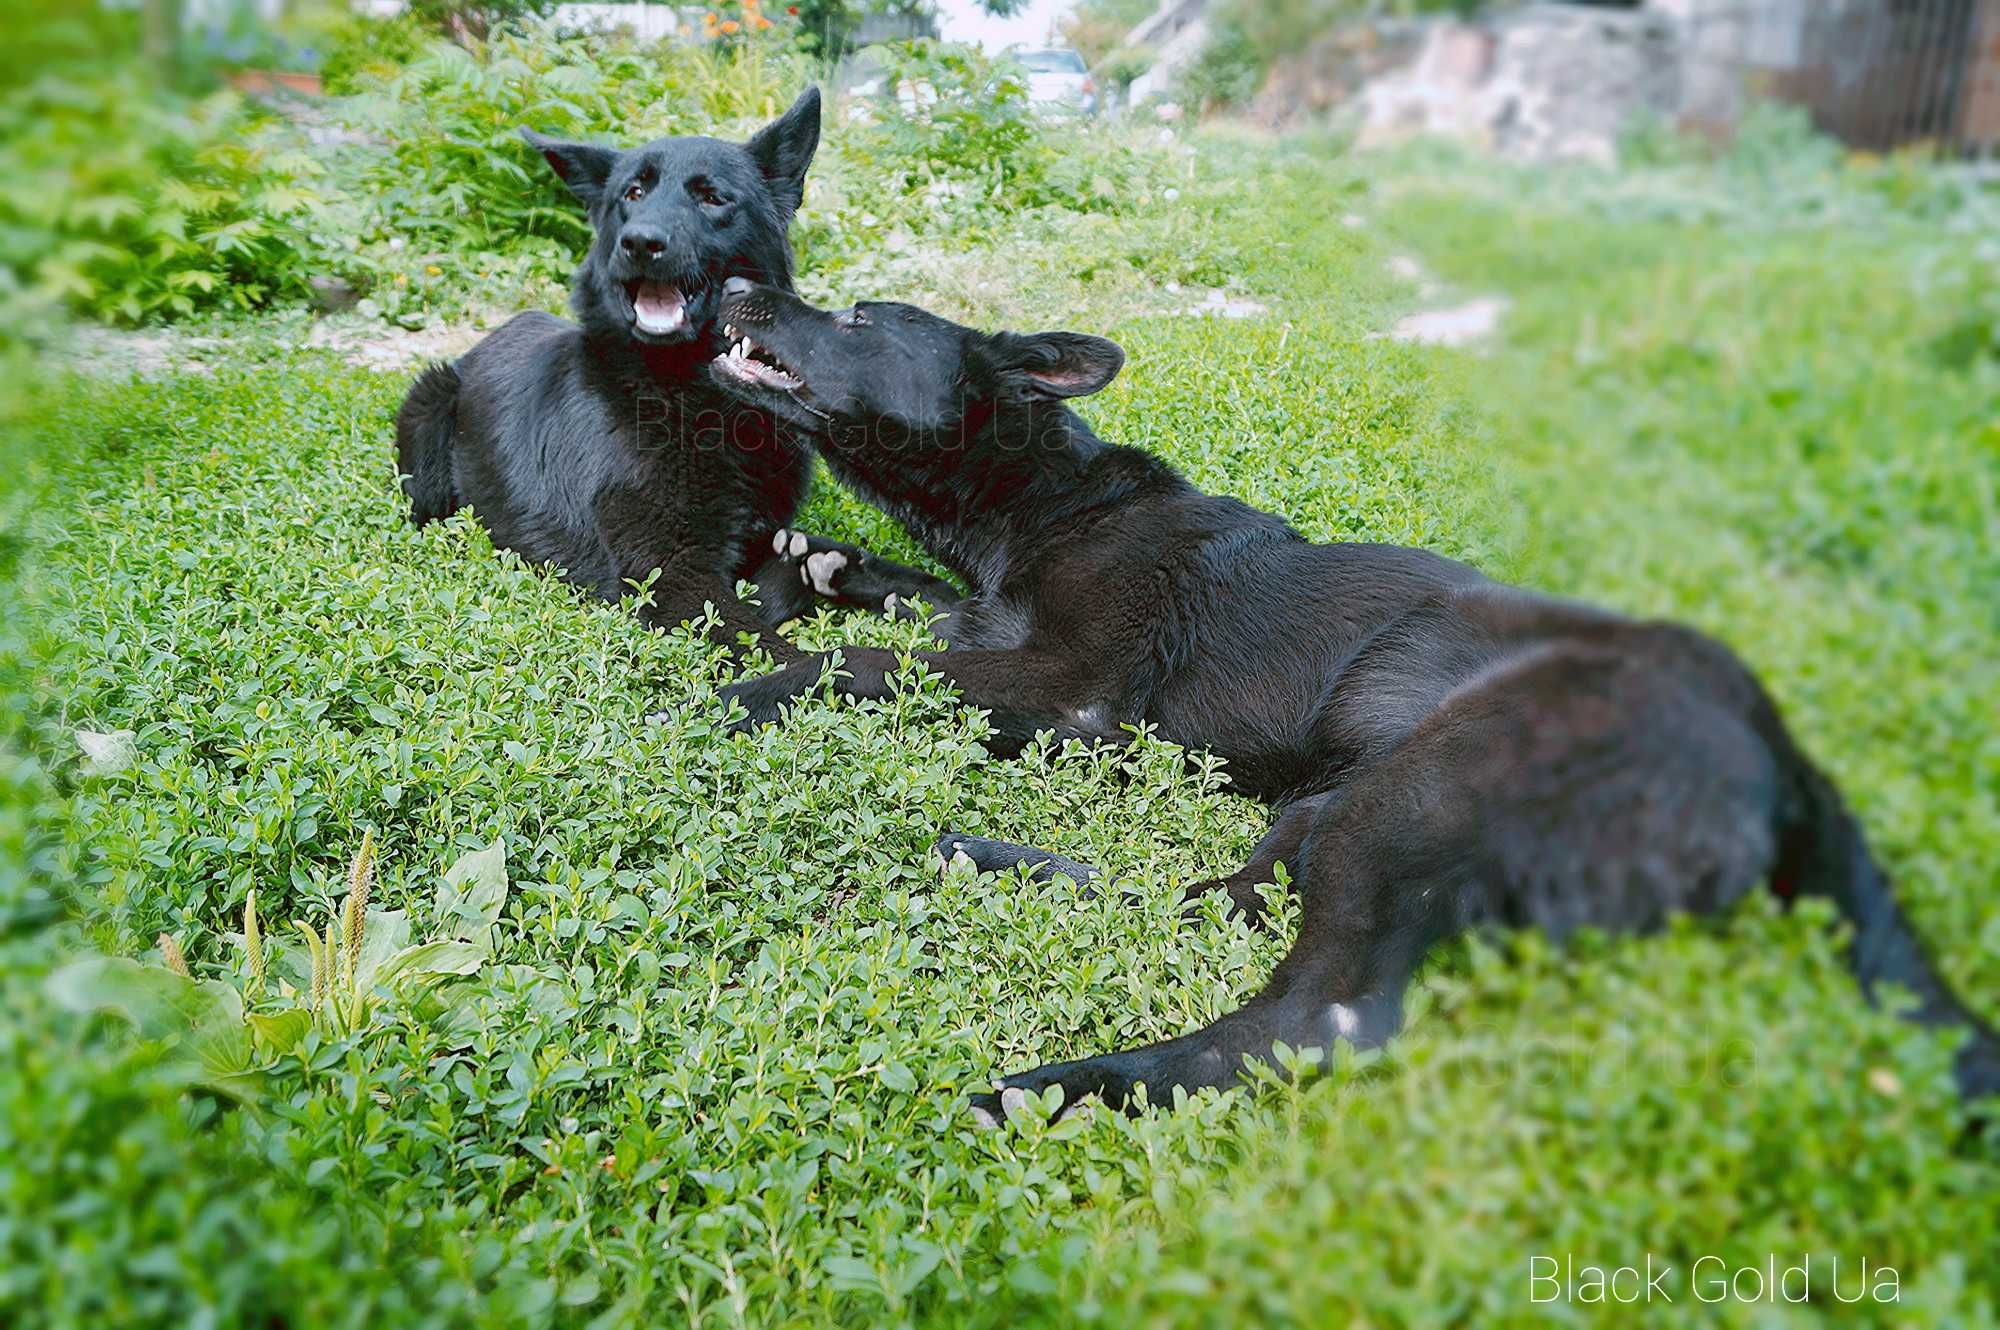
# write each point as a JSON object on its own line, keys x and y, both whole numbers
{"x": 1057, "y": 78}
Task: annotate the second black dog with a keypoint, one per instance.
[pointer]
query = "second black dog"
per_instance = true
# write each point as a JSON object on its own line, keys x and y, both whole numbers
{"x": 1444, "y": 752}
{"x": 600, "y": 447}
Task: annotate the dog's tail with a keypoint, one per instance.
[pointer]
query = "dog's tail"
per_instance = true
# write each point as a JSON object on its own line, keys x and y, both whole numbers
{"x": 425, "y": 428}
{"x": 1823, "y": 853}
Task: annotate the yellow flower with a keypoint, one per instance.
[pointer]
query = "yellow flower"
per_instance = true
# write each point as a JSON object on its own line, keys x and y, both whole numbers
{"x": 432, "y": 270}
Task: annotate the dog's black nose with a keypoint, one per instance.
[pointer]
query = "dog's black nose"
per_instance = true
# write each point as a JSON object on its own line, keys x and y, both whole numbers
{"x": 642, "y": 242}
{"x": 738, "y": 286}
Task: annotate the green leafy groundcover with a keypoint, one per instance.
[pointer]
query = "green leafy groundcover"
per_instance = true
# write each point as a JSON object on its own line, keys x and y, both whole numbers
{"x": 713, "y": 1070}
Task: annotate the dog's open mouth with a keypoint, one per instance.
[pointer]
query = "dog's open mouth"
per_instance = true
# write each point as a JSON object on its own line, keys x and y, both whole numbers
{"x": 657, "y": 307}
{"x": 752, "y": 363}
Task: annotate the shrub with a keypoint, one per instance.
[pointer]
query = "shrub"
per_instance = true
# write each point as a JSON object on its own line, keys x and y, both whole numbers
{"x": 360, "y": 50}
{"x": 449, "y": 199}
{"x": 130, "y": 205}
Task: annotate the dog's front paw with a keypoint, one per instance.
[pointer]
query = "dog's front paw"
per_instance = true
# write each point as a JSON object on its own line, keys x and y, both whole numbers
{"x": 822, "y": 571}
{"x": 763, "y": 700}
{"x": 1019, "y": 1098}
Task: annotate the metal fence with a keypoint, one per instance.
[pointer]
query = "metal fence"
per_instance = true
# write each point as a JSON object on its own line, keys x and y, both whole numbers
{"x": 1878, "y": 74}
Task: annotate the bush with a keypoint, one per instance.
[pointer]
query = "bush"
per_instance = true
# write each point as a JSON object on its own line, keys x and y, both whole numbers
{"x": 1247, "y": 37}
{"x": 449, "y": 204}
{"x": 130, "y": 205}
{"x": 361, "y": 50}
{"x": 1229, "y": 69}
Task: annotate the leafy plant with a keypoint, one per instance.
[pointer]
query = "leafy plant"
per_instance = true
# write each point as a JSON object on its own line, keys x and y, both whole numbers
{"x": 454, "y": 200}
{"x": 129, "y": 206}
{"x": 220, "y": 1035}
{"x": 361, "y": 50}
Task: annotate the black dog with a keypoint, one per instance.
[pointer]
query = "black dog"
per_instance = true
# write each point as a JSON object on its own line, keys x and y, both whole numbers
{"x": 1444, "y": 752}
{"x": 601, "y": 448}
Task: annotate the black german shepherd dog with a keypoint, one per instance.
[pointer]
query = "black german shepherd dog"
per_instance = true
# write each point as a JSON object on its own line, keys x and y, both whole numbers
{"x": 1443, "y": 752}
{"x": 602, "y": 448}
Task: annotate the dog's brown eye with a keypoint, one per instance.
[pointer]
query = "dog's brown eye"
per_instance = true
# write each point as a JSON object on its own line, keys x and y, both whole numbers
{"x": 635, "y": 191}
{"x": 852, "y": 318}
{"x": 705, "y": 193}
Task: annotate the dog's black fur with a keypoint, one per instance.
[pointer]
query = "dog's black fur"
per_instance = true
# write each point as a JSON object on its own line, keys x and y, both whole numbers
{"x": 600, "y": 446}
{"x": 1444, "y": 752}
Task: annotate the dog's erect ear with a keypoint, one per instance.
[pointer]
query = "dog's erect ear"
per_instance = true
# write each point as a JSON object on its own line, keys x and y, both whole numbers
{"x": 784, "y": 149}
{"x": 584, "y": 167}
{"x": 1053, "y": 364}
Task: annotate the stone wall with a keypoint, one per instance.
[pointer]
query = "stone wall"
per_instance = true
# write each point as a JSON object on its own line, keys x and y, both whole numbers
{"x": 1544, "y": 81}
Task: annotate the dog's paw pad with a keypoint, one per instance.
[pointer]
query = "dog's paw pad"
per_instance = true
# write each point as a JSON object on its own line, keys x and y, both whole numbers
{"x": 889, "y": 603}
{"x": 821, "y": 569}
{"x": 781, "y": 541}
{"x": 1012, "y": 1101}
{"x": 948, "y": 853}
{"x": 797, "y": 545}
{"x": 984, "y": 1120}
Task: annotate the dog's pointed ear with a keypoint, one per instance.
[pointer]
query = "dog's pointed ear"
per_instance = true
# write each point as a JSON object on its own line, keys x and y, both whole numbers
{"x": 1053, "y": 364}
{"x": 584, "y": 167}
{"x": 784, "y": 149}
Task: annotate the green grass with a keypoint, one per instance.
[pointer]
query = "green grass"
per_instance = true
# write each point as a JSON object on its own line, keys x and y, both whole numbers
{"x": 716, "y": 1075}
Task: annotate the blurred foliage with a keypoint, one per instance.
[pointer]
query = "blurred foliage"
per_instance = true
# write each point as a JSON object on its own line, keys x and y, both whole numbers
{"x": 359, "y": 49}
{"x": 1096, "y": 27}
{"x": 1247, "y": 37}
{"x": 132, "y": 206}
{"x": 474, "y": 20}
{"x": 38, "y": 37}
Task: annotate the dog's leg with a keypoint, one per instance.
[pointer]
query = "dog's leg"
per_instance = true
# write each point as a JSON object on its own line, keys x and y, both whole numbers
{"x": 1578, "y": 789}
{"x": 849, "y": 575}
{"x": 999, "y": 856}
{"x": 640, "y": 534}
{"x": 1025, "y": 692}
{"x": 1281, "y": 844}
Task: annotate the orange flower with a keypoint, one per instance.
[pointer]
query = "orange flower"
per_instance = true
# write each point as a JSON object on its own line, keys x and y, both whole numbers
{"x": 730, "y": 25}
{"x": 761, "y": 22}
{"x": 708, "y": 19}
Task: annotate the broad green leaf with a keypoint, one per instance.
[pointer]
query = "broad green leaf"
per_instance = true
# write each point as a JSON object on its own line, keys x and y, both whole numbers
{"x": 429, "y": 960}
{"x": 387, "y": 932}
{"x": 280, "y": 1032}
{"x": 473, "y": 892}
{"x": 157, "y": 1002}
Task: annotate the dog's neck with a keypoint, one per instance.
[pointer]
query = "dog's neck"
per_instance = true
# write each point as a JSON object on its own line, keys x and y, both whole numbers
{"x": 680, "y": 362}
{"x": 981, "y": 495}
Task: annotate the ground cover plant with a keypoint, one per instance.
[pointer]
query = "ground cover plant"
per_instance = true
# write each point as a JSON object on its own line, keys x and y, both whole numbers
{"x": 713, "y": 1068}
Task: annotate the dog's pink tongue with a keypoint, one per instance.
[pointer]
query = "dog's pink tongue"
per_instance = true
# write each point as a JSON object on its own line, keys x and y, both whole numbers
{"x": 659, "y": 308}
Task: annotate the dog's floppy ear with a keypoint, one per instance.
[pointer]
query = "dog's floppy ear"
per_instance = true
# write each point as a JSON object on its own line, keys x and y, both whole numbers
{"x": 582, "y": 166}
{"x": 1053, "y": 364}
{"x": 784, "y": 149}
